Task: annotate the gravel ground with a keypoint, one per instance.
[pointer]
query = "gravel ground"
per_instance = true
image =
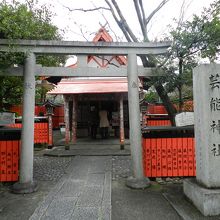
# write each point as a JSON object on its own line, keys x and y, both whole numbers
{"x": 121, "y": 167}
{"x": 50, "y": 168}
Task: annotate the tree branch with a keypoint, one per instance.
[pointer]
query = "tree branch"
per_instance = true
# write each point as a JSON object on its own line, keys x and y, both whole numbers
{"x": 140, "y": 18}
{"x": 148, "y": 19}
{"x": 142, "y": 9}
{"x": 86, "y": 10}
{"x": 124, "y": 22}
{"x": 118, "y": 21}
{"x": 107, "y": 22}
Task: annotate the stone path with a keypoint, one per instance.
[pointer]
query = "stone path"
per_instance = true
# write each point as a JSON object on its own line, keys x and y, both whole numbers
{"x": 84, "y": 192}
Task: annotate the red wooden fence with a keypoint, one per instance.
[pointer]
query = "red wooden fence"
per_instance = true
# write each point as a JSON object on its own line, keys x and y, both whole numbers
{"x": 40, "y": 132}
{"x": 9, "y": 157}
{"x": 57, "y": 118}
{"x": 169, "y": 157}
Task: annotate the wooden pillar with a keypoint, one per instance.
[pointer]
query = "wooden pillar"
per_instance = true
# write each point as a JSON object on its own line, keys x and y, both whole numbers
{"x": 122, "y": 132}
{"x": 74, "y": 119}
{"x": 66, "y": 119}
{"x": 50, "y": 131}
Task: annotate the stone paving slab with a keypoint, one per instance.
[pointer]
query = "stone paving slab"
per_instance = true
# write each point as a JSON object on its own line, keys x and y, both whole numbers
{"x": 186, "y": 209}
{"x": 77, "y": 197}
{"x": 71, "y": 188}
{"x": 86, "y": 213}
{"x": 96, "y": 179}
{"x": 60, "y": 208}
{"x": 61, "y": 152}
{"x": 90, "y": 197}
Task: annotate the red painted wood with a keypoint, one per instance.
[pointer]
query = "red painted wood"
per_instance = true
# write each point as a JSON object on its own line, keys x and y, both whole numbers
{"x": 9, "y": 158}
{"x": 175, "y": 157}
{"x": 185, "y": 157}
{"x": 148, "y": 162}
{"x": 180, "y": 156}
{"x": 41, "y": 132}
{"x": 3, "y": 147}
{"x": 191, "y": 156}
{"x": 158, "y": 159}
{"x": 15, "y": 159}
{"x": 154, "y": 156}
{"x": 164, "y": 156}
{"x": 169, "y": 157}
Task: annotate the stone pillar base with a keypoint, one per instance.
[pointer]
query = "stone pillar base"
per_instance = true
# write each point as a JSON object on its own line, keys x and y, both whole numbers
{"x": 24, "y": 188}
{"x": 206, "y": 200}
{"x": 135, "y": 183}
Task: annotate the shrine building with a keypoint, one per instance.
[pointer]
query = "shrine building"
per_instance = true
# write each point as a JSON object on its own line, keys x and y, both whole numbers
{"x": 84, "y": 94}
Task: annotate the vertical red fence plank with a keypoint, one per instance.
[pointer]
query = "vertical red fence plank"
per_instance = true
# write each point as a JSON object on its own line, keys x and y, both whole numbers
{"x": 190, "y": 156}
{"x": 180, "y": 156}
{"x": 3, "y": 161}
{"x": 40, "y": 128}
{"x": 158, "y": 146}
{"x": 9, "y": 160}
{"x": 154, "y": 157}
{"x": 144, "y": 155}
{"x": 15, "y": 159}
{"x": 47, "y": 133}
{"x": 185, "y": 157}
{"x": 148, "y": 158}
{"x": 40, "y": 136}
{"x": 169, "y": 157}
{"x": 174, "y": 156}
{"x": 164, "y": 157}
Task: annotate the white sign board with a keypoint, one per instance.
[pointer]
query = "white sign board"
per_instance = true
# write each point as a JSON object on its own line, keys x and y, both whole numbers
{"x": 184, "y": 119}
{"x": 7, "y": 118}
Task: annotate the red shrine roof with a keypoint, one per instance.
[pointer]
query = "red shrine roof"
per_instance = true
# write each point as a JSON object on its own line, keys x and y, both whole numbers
{"x": 80, "y": 85}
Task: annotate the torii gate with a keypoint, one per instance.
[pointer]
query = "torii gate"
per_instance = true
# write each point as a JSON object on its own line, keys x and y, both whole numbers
{"x": 33, "y": 48}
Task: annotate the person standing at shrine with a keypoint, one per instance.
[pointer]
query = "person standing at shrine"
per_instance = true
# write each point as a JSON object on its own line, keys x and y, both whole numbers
{"x": 104, "y": 123}
{"x": 94, "y": 121}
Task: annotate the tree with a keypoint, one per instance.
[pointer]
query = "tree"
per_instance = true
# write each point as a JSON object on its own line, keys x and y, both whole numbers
{"x": 193, "y": 39}
{"x": 23, "y": 21}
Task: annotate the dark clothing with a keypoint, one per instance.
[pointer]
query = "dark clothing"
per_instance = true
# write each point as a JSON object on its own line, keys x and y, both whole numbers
{"x": 94, "y": 121}
{"x": 104, "y": 132}
{"x": 93, "y": 131}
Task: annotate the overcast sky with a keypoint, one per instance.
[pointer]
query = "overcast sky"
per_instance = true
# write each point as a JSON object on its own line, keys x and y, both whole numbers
{"x": 74, "y": 23}
{"x": 82, "y": 26}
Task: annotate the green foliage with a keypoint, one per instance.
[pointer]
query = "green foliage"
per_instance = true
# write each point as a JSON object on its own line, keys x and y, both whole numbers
{"x": 10, "y": 91}
{"x": 23, "y": 21}
{"x": 192, "y": 40}
{"x": 151, "y": 97}
{"x": 201, "y": 35}
{"x": 19, "y": 21}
